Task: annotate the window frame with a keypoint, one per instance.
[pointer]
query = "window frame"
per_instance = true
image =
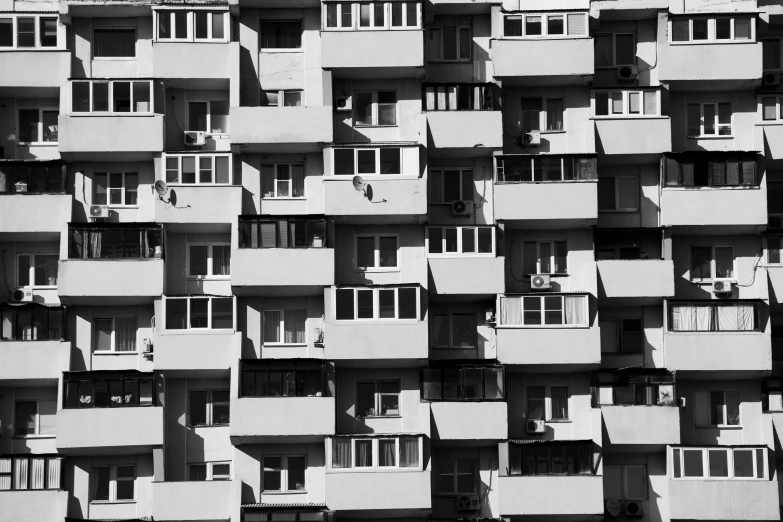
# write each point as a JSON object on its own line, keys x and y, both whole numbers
{"x": 210, "y": 261}
{"x": 209, "y": 468}
{"x": 210, "y": 403}
{"x": 111, "y": 82}
{"x": 714, "y": 305}
{"x": 626, "y": 97}
{"x": 459, "y": 253}
{"x": 123, "y": 189}
{"x": 376, "y": 304}
{"x": 374, "y": 109}
{"x": 37, "y": 430}
{"x": 552, "y": 256}
{"x": 113, "y": 479}
{"x": 190, "y": 26}
{"x": 135, "y": 30}
{"x": 209, "y": 298}
{"x": 619, "y": 327}
{"x": 713, "y": 264}
{"x": 113, "y": 349}
{"x": 461, "y": 172}
{"x": 299, "y": 49}
{"x": 544, "y": 15}
{"x": 711, "y": 39}
{"x": 14, "y": 17}
{"x": 770, "y": 246}
{"x": 284, "y": 469}
{"x": 624, "y": 479}
{"x": 617, "y": 195}
{"x": 355, "y": 26}
{"x": 275, "y": 166}
{"x": 458, "y": 28}
{"x": 717, "y": 126}
{"x": 376, "y": 267}
{"x": 437, "y": 462}
{"x": 375, "y": 466}
{"x": 198, "y": 182}
{"x": 377, "y": 174}
{"x": 778, "y": 108}
{"x": 677, "y": 462}
{"x": 133, "y": 376}
{"x": 208, "y": 132}
{"x": 548, "y": 418}
{"x": 711, "y": 407}
{"x": 281, "y": 327}
{"x": 281, "y": 96}
{"x": 581, "y": 165}
{"x": 40, "y": 128}
{"x": 451, "y": 322}
{"x": 543, "y": 120}
{"x": 378, "y": 399}
{"x": 31, "y": 271}
{"x": 615, "y": 64}
{"x": 541, "y": 297}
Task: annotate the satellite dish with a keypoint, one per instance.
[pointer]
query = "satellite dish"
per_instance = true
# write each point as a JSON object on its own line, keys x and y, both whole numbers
{"x": 160, "y": 187}
{"x": 358, "y": 183}
{"x": 173, "y": 198}
{"x": 368, "y": 192}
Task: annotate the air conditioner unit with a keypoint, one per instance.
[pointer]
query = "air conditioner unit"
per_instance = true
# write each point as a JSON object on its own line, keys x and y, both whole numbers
{"x": 531, "y": 139}
{"x": 23, "y": 294}
{"x": 99, "y": 211}
{"x": 489, "y": 315}
{"x": 627, "y": 72}
{"x": 318, "y": 335}
{"x": 772, "y": 79}
{"x": 721, "y": 287}
{"x": 195, "y": 138}
{"x": 614, "y": 507}
{"x": 468, "y": 503}
{"x": 462, "y": 208}
{"x": 540, "y": 282}
{"x": 634, "y": 508}
{"x": 775, "y": 221}
{"x": 343, "y": 103}
{"x": 536, "y": 426}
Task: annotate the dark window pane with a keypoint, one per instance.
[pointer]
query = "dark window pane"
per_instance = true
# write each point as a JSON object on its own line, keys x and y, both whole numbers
{"x": 343, "y": 162}
{"x": 407, "y": 303}
{"x": 48, "y": 29}
{"x": 100, "y": 477}
{"x": 344, "y": 303}
{"x": 114, "y": 43}
{"x": 390, "y": 161}
{"x": 6, "y": 32}
{"x": 296, "y": 473}
{"x": 364, "y": 302}
{"x": 198, "y": 407}
{"x": 366, "y": 161}
{"x": 386, "y": 304}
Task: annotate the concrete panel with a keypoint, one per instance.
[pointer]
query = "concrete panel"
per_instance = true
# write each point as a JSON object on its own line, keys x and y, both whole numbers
{"x": 633, "y": 135}
{"x": 110, "y": 278}
{"x": 577, "y": 200}
{"x": 33, "y": 505}
{"x": 523, "y": 57}
{"x": 206, "y": 204}
{"x": 773, "y": 141}
{"x": 195, "y": 60}
{"x": 723, "y": 500}
{"x": 711, "y": 61}
{"x": 374, "y": 340}
{"x": 51, "y": 68}
{"x": 259, "y": 418}
{"x": 404, "y": 197}
{"x": 86, "y": 133}
{"x": 192, "y": 500}
{"x": 718, "y": 351}
{"x": 469, "y": 420}
{"x": 203, "y": 350}
{"x": 281, "y": 125}
{"x": 714, "y": 206}
{"x": 282, "y": 267}
{"x": 137, "y": 429}
{"x": 467, "y": 275}
{"x": 465, "y": 129}
{"x": 34, "y": 360}
{"x": 543, "y": 495}
{"x": 30, "y": 213}
{"x": 378, "y": 490}
{"x": 372, "y": 49}
{"x": 641, "y": 424}
{"x": 563, "y": 345}
{"x": 636, "y": 278}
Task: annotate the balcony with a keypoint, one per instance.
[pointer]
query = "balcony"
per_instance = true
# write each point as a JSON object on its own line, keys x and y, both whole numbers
{"x": 280, "y": 129}
{"x": 633, "y": 135}
{"x": 714, "y": 206}
{"x": 267, "y": 419}
{"x": 111, "y": 134}
{"x": 112, "y": 430}
{"x": 635, "y": 279}
{"x": 207, "y": 500}
{"x": 405, "y": 199}
{"x": 373, "y": 54}
{"x": 467, "y": 275}
{"x": 51, "y": 68}
{"x": 207, "y": 204}
{"x": 642, "y": 425}
{"x": 543, "y": 495}
{"x": 449, "y": 420}
{"x": 195, "y": 60}
{"x": 34, "y": 505}
{"x": 559, "y": 204}
{"x": 723, "y": 500}
{"x": 131, "y": 281}
{"x": 517, "y": 62}
{"x": 195, "y": 349}
{"x": 476, "y": 131}
{"x": 33, "y": 360}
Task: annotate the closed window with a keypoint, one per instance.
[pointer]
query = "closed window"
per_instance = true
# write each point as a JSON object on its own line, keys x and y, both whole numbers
{"x": 209, "y": 116}
{"x": 112, "y": 96}
{"x": 378, "y": 399}
{"x": 113, "y": 483}
{"x": 625, "y": 482}
{"x": 771, "y": 108}
{"x": 26, "y": 472}
{"x": 548, "y": 403}
{"x": 283, "y": 379}
{"x": 614, "y": 49}
{"x": 545, "y": 114}
{"x": 284, "y": 326}
{"x": 450, "y": 39}
{"x": 551, "y": 458}
{"x": 116, "y": 189}
{"x": 208, "y": 407}
{"x": 447, "y": 186}
{"x": 719, "y": 462}
{"x": 376, "y": 252}
{"x": 37, "y": 270}
{"x": 113, "y": 43}
{"x": 683, "y": 30}
{"x": 371, "y": 16}
{"x": 726, "y": 316}
{"x": 283, "y": 180}
{"x": 717, "y": 408}
{"x": 545, "y": 257}
{"x": 621, "y": 336}
{"x": 470, "y": 241}
{"x": 199, "y": 313}
{"x": 543, "y": 25}
{"x": 709, "y": 119}
{"x": 284, "y": 473}
{"x": 771, "y": 54}
{"x": 34, "y": 418}
{"x": 539, "y": 310}
{"x": 454, "y": 330}
{"x": 281, "y": 98}
{"x": 113, "y": 389}
{"x": 375, "y": 108}
{"x": 456, "y": 476}
{"x": 278, "y": 34}
{"x": 376, "y": 303}
{"x": 38, "y": 125}
{"x": 627, "y": 103}
{"x": 368, "y": 453}
{"x": 31, "y": 322}
{"x": 618, "y": 194}
{"x": 209, "y": 471}
{"x": 464, "y": 383}
{"x": 28, "y": 32}
{"x": 635, "y": 388}
{"x": 364, "y": 161}
{"x": 459, "y": 97}
{"x": 116, "y": 334}
{"x": 210, "y": 260}
{"x": 720, "y": 170}
{"x": 773, "y": 249}
{"x": 712, "y": 262}
{"x": 524, "y": 168}
{"x": 173, "y": 25}
{"x": 267, "y": 232}
{"x": 339, "y": 15}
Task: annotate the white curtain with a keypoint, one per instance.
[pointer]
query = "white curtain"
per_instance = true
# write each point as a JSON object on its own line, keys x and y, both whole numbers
{"x": 727, "y": 318}
{"x": 295, "y": 326}
{"x": 575, "y": 309}
{"x": 341, "y": 453}
{"x": 704, "y": 318}
{"x": 452, "y": 89}
{"x": 54, "y": 473}
{"x": 271, "y": 326}
{"x": 5, "y": 474}
{"x": 38, "y": 473}
{"x": 20, "y": 473}
{"x": 125, "y": 336}
{"x": 442, "y": 106}
{"x": 511, "y": 310}
{"x": 690, "y": 318}
{"x": 736, "y": 317}
{"x": 429, "y": 94}
{"x": 409, "y": 452}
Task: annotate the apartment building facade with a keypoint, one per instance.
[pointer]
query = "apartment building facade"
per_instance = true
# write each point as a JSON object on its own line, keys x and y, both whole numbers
{"x": 315, "y": 260}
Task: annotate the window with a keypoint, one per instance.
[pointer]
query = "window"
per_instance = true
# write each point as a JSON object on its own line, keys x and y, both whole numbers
{"x": 205, "y": 312}
{"x": 113, "y": 483}
{"x": 464, "y": 383}
{"x": 633, "y": 387}
{"x": 364, "y": 161}
{"x": 771, "y": 108}
{"x": 278, "y": 34}
{"x": 609, "y": 252}
{"x": 26, "y": 472}
{"x": 339, "y": 16}
{"x": 542, "y": 25}
{"x": 181, "y": 25}
{"x": 209, "y": 261}
{"x": 264, "y": 232}
{"x": 32, "y": 322}
{"x": 458, "y": 97}
{"x": 376, "y": 303}
{"x": 713, "y": 317}
{"x": 544, "y": 114}
{"x": 376, "y": 252}
{"x": 116, "y": 334}
{"x": 719, "y": 462}
{"x": 523, "y": 168}
{"x": 113, "y": 43}
{"x": 115, "y": 241}
{"x": 540, "y": 310}
{"x": 627, "y": 103}
{"x": 284, "y": 474}
{"x": 199, "y": 169}
{"x": 372, "y": 453}
{"x": 281, "y": 98}
{"x": 773, "y": 249}
{"x": 371, "y": 16}
{"x": 771, "y": 54}
{"x": 38, "y": 125}
{"x": 712, "y": 262}
{"x": 550, "y": 458}
{"x": 209, "y": 116}
{"x": 283, "y": 180}
{"x": 284, "y": 326}
{"x": 378, "y": 399}
{"x": 622, "y": 336}
{"x": 34, "y": 418}
{"x": 709, "y": 119}
{"x": 625, "y": 482}
{"x": 112, "y": 96}
{"x": 37, "y": 270}
{"x": 283, "y": 379}
{"x": 683, "y": 30}
{"x": 618, "y": 194}
{"x": 375, "y": 108}
{"x": 545, "y": 257}
{"x": 702, "y": 170}
{"x": 450, "y": 38}
{"x": 208, "y": 408}
{"x": 209, "y": 471}
{"x": 40, "y": 178}
{"x": 717, "y": 408}
{"x": 447, "y": 186}
{"x": 449, "y": 241}
{"x": 454, "y": 476}
{"x": 548, "y": 403}
{"x": 454, "y": 330}
{"x": 614, "y": 49}
{"x": 116, "y": 189}
{"x": 28, "y": 31}
{"x": 109, "y": 389}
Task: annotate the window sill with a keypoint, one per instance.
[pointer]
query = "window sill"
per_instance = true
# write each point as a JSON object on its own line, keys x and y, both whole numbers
{"x": 550, "y": 274}
{"x": 198, "y": 331}
{"x": 379, "y": 416}
{"x": 708, "y": 282}
{"x": 122, "y": 207}
{"x": 295, "y": 492}
{"x": 719, "y": 427}
{"x": 447, "y": 62}
{"x": 375, "y": 270}
{"x": 539, "y": 38}
{"x": 771, "y": 123}
{"x": 31, "y": 49}
{"x": 559, "y": 421}
{"x": 48, "y": 287}
{"x": 462, "y": 256}
{"x": 553, "y": 131}
{"x": 720, "y": 137}
{"x": 715, "y": 42}
{"x": 454, "y": 347}
{"x": 190, "y": 40}
{"x": 281, "y": 50}
{"x": 114, "y": 58}
{"x": 367, "y": 126}
{"x": 708, "y": 187}
{"x": 629, "y": 117}
{"x": 378, "y": 322}
{"x": 33, "y": 437}
{"x": 629, "y": 211}
{"x": 106, "y": 114}
{"x": 112, "y": 501}
{"x": 209, "y": 278}
{"x": 37, "y": 144}
{"x": 542, "y": 326}
{"x": 270, "y": 198}
{"x": 285, "y": 345}
{"x": 207, "y": 426}
{"x": 546, "y": 182}
{"x": 107, "y": 352}
{"x": 371, "y": 177}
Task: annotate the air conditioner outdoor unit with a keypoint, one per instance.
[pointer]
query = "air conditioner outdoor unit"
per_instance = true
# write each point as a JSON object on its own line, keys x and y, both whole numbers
{"x": 627, "y": 72}
{"x": 343, "y": 103}
{"x": 772, "y": 79}
{"x": 99, "y": 211}
{"x": 540, "y": 282}
{"x": 531, "y": 138}
{"x": 614, "y": 507}
{"x": 23, "y": 294}
{"x": 468, "y": 503}
{"x": 536, "y": 426}
{"x": 721, "y": 287}
{"x": 775, "y": 221}
{"x": 634, "y": 508}
{"x": 318, "y": 335}
{"x": 462, "y": 208}
{"x": 195, "y": 138}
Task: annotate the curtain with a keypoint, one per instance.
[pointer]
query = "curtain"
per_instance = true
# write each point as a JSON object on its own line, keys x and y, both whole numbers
{"x": 575, "y": 309}
{"x": 38, "y": 473}
{"x": 221, "y": 260}
{"x": 736, "y": 317}
{"x": 452, "y": 93}
{"x": 554, "y": 114}
{"x": 125, "y": 335}
{"x": 510, "y": 310}
{"x": 691, "y": 318}
{"x": 271, "y": 326}
{"x": 364, "y": 453}
{"x": 297, "y": 180}
{"x": 114, "y": 43}
{"x": 732, "y": 172}
{"x": 46, "y": 270}
{"x": 268, "y": 181}
{"x": 268, "y": 235}
{"x": 295, "y": 326}
{"x": 387, "y": 452}
{"x": 198, "y": 260}
{"x": 559, "y": 402}
{"x": 20, "y": 473}
{"x": 704, "y": 318}
{"x": 198, "y": 472}
{"x": 429, "y": 98}
{"x": 409, "y": 452}
{"x": 47, "y": 412}
{"x": 95, "y": 244}
{"x": 5, "y": 474}
{"x": 442, "y": 101}
{"x": 341, "y": 453}
{"x": 282, "y": 233}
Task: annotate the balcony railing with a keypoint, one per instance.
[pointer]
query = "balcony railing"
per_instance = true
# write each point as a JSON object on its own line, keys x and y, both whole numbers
{"x": 32, "y": 178}
{"x": 724, "y": 316}
{"x": 108, "y": 390}
{"x": 464, "y": 383}
{"x": 116, "y": 241}
{"x": 634, "y": 387}
{"x": 459, "y": 97}
{"x": 284, "y": 378}
{"x": 32, "y": 322}
{"x": 30, "y": 472}
{"x": 265, "y": 232}
{"x": 202, "y": 312}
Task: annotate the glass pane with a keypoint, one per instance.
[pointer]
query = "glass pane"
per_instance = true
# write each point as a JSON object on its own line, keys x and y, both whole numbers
{"x": 272, "y": 473}
{"x": 407, "y": 308}
{"x": 100, "y": 477}
{"x": 48, "y": 32}
{"x": 709, "y": 118}
{"x": 387, "y": 452}
{"x": 724, "y": 262}
{"x": 464, "y": 330}
{"x": 296, "y": 473}
{"x": 390, "y": 159}
{"x": 694, "y": 463}
{"x": 364, "y": 299}
{"x": 100, "y": 97}
{"x": 554, "y": 24}
{"x": 485, "y": 240}
{"x": 344, "y": 162}
{"x": 344, "y": 303}
{"x": 197, "y": 404}
{"x": 532, "y": 26}
{"x": 742, "y": 29}
{"x": 365, "y": 252}
{"x": 223, "y": 313}
{"x": 468, "y": 240}
{"x": 700, "y": 29}
{"x": 625, "y": 50}
{"x": 743, "y": 463}
{"x": 681, "y": 30}
{"x": 386, "y": 304}
{"x": 719, "y": 463}
{"x": 366, "y": 161}
{"x": 176, "y": 313}
{"x": 436, "y": 241}
{"x": 199, "y": 315}
{"x": 723, "y": 29}
{"x": 364, "y": 453}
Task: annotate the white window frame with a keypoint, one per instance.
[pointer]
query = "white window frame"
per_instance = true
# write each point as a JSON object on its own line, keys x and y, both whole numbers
{"x": 210, "y": 403}
{"x": 111, "y": 82}
{"x": 376, "y": 304}
{"x": 459, "y": 252}
{"x": 354, "y": 6}
{"x": 617, "y": 208}
{"x": 450, "y": 320}
{"x": 542, "y": 310}
{"x": 377, "y": 174}
{"x": 716, "y": 125}
{"x": 375, "y": 467}
{"x": 615, "y": 64}
{"x": 113, "y": 484}
{"x": 15, "y": 31}
{"x": 31, "y": 274}
{"x": 778, "y": 107}
{"x": 377, "y": 394}
{"x": 281, "y": 327}
{"x": 281, "y": 95}
{"x": 283, "y": 475}
{"x": 543, "y": 121}
{"x": 462, "y": 171}
{"x": 626, "y": 97}
{"x": 113, "y": 320}
{"x": 208, "y": 131}
{"x": 376, "y": 267}
{"x": 210, "y": 298}
{"x": 179, "y": 157}
{"x": 545, "y": 25}
{"x": 37, "y": 431}
{"x": 109, "y": 190}
{"x": 290, "y": 191}
{"x": 730, "y": 462}
{"x": 40, "y": 130}
{"x": 191, "y": 24}
{"x": 711, "y": 31}
{"x": 456, "y": 493}
{"x": 713, "y": 264}
{"x": 457, "y": 30}
{"x": 725, "y": 412}
{"x": 374, "y": 109}
{"x": 624, "y": 481}
{"x": 548, "y": 158}
{"x": 210, "y": 470}
{"x": 552, "y": 256}
{"x": 548, "y": 402}
{"x": 210, "y": 257}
